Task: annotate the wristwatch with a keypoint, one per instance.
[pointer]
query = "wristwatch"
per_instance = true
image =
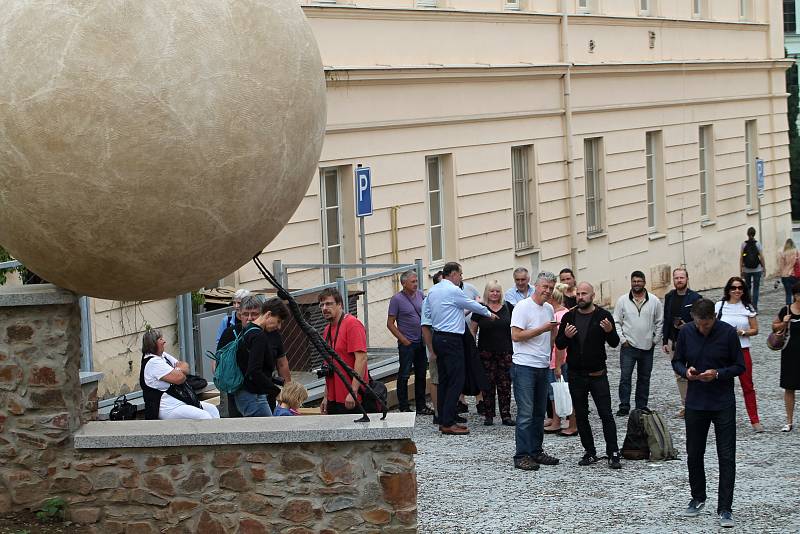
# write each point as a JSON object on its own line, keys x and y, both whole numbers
{"x": 716, "y": 377}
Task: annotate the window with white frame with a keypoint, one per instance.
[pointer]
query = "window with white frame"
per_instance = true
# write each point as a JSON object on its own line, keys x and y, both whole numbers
{"x": 427, "y": 3}
{"x": 706, "y": 175}
{"x": 746, "y": 10}
{"x": 435, "y": 174}
{"x": 699, "y": 9}
{"x": 655, "y": 181}
{"x": 584, "y": 6}
{"x": 524, "y": 229}
{"x": 331, "y": 207}
{"x": 593, "y": 178}
{"x": 512, "y": 5}
{"x": 645, "y": 7}
{"x": 750, "y": 154}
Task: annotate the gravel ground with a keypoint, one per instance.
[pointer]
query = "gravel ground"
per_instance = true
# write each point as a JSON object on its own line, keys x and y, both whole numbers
{"x": 468, "y": 483}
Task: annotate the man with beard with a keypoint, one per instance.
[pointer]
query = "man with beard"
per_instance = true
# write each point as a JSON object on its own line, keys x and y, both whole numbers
{"x": 638, "y": 316}
{"x": 566, "y": 276}
{"x": 346, "y": 335}
{"x": 584, "y": 332}
{"x": 677, "y": 312}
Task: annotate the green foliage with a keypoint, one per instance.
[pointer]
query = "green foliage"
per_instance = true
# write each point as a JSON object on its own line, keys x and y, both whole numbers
{"x": 793, "y": 106}
{"x": 5, "y": 256}
{"x": 198, "y": 300}
{"x": 53, "y": 510}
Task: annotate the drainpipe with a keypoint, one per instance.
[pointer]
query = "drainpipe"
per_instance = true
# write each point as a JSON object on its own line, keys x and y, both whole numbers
{"x": 566, "y": 81}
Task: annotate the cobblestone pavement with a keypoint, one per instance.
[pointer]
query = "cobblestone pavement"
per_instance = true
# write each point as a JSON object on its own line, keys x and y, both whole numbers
{"x": 468, "y": 483}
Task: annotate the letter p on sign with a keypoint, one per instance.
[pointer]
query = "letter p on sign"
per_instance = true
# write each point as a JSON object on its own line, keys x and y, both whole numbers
{"x": 363, "y": 191}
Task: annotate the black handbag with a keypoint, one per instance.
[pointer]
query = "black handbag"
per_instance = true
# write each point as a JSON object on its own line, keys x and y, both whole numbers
{"x": 122, "y": 410}
{"x": 184, "y": 393}
{"x": 197, "y": 383}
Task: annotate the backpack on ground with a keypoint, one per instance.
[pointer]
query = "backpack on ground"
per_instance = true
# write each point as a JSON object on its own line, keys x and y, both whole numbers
{"x": 750, "y": 257}
{"x": 228, "y": 377}
{"x": 369, "y": 403}
{"x": 635, "y": 446}
{"x": 659, "y": 439}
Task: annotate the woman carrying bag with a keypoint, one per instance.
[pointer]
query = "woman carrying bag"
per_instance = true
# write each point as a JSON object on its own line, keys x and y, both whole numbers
{"x": 788, "y": 264}
{"x": 789, "y": 317}
{"x": 737, "y": 310}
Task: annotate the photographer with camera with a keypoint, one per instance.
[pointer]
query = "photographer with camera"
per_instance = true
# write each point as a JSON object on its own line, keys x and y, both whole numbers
{"x": 346, "y": 335}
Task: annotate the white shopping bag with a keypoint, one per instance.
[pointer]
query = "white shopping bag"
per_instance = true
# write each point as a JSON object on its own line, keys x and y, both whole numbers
{"x": 562, "y": 398}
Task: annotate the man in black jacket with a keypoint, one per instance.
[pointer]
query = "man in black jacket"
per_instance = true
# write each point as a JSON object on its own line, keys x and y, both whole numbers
{"x": 677, "y": 312}
{"x": 584, "y": 332}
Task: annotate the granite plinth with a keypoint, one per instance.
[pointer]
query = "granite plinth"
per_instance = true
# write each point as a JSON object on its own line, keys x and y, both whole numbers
{"x": 90, "y": 376}
{"x": 253, "y": 430}
{"x": 35, "y": 295}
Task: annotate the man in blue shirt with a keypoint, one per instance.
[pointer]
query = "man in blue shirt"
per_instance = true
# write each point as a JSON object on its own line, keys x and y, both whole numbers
{"x": 443, "y": 312}
{"x": 709, "y": 356}
{"x": 522, "y": 287}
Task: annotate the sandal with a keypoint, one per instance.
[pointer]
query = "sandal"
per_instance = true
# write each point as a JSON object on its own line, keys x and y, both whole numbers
{"x": 568, "y": 434}
{"x": 787, "y": 428}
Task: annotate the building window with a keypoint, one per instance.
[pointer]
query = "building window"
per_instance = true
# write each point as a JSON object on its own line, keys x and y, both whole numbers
{"x": 646, "y": 7}
{"x": 332, "y": 239}
{"x": 524, "y": 230}
{"x": 512, "y": 5}
{"x": 655, "y": 182}
{"x": 789, "y": 16}
{"x": 746, "y": 10}
{"x": 427, "y": 3}
{"x": 593, "y": 178}
{"x": 587, "y": 6}
{"x": 434, "y": 166}
{"x": 705, "y": 157}
{"x": 699, "y": 9}
{"x": 750, "y": 154}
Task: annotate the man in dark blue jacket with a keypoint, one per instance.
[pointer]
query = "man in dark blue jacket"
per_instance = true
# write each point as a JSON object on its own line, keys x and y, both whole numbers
{"x": 677, "y": 312}
{"x": 709, "y": 356}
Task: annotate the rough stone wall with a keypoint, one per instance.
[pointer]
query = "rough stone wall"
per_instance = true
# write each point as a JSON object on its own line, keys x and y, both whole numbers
{"x": 41, "y": 403}
{"x": 367, "y": 486}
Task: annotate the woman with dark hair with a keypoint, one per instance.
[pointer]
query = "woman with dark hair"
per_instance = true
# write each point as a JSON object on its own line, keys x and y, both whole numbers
{"x": 160, "y": 377}
{"x": 737, "y": 310}
{"x": 789, "y": 317}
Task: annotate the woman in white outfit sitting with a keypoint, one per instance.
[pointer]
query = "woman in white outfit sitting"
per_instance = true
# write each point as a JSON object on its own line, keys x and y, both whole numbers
{"x": 162, "y": 378}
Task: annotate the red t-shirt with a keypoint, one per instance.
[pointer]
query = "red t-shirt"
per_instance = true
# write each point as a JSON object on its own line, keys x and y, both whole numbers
{"x": 350, "y": 338}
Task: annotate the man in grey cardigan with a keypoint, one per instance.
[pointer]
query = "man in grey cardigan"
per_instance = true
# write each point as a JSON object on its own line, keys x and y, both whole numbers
{"x": 638, "y": 318}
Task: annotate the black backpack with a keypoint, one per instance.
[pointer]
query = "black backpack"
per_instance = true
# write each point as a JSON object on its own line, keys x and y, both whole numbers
{"x": 635, "y": 446}
{"x": 750, "y": 257}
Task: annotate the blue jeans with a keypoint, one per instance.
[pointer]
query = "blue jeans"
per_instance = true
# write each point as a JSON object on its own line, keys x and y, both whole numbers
{"x": 530, "y": 393}
{"x": 414, "y": 356}
{"x": 788, "y": 282}
{"x": 643, "y": 360}
{"x": 753, "y": 281}
{"x": 251, "y": 404}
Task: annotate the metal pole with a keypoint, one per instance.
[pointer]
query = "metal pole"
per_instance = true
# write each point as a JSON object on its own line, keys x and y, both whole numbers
{"x": 364, "y": 273}
{"x": 418, "y": 262}
{"x": 341, "y": 286}
{"x": 277, "y": 270}
{"x": 86, "y": 335}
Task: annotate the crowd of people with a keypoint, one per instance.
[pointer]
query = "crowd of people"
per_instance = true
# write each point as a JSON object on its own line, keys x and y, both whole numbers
{"x": 498, "y": 344}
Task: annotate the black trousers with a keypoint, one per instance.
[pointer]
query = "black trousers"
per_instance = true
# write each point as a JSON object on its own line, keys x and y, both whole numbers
{"x": 338, "y": 408}
{"x": 580, "y": 386}
{"x": 697, "y": 425}
{"x": 449, "y": 349}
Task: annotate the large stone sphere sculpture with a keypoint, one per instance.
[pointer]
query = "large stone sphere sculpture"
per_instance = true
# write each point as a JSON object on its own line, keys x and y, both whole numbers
{"x": 148, "y": 148}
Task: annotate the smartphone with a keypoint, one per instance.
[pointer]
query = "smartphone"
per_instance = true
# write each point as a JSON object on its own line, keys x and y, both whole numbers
{"x": 694, "y": 372}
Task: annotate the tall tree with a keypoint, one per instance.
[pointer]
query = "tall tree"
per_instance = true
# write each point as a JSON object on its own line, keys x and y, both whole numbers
{"x": 794, "y": 140}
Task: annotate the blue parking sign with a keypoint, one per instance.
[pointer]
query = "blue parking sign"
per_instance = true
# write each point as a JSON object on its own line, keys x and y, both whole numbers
{"x": 363, "y": 191}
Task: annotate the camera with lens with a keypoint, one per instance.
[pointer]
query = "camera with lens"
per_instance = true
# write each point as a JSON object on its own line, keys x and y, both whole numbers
{"x": 324, "y": 371}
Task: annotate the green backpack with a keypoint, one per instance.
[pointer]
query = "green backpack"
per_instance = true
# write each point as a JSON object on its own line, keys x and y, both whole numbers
{"x": 228, "y": 377}
{"x": 658, "y": 437}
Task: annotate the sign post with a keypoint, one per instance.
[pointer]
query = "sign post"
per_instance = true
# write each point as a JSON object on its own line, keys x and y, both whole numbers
{"x": 363, "y": 178}
{"x": 760, "y": 183}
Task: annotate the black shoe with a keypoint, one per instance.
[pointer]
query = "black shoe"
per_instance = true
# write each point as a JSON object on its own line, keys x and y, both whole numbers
{"x": 613, "y": 461}
{"x": 405, "y": 409}
{"x": 480, "y": 408}
{"x": 460, "y": 419}
{"x": 509, "y": 422}
{"x": 462, "y": 407}
{"x": 435, "y": 420}
{"x": 544, "y": 459}
{"x": 588, "y": 459}
{"x": 424, "y": 410}
{"x": 489, "y": 421}
{"x": 526, "y": 463}
{"x": 622, "y": 412}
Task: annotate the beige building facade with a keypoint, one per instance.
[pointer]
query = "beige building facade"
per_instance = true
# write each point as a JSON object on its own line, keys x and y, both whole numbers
{"x": 605, "y": 135}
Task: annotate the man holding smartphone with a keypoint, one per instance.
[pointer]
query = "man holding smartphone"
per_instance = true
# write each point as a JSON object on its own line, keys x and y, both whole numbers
{"x": 709, "y": 356}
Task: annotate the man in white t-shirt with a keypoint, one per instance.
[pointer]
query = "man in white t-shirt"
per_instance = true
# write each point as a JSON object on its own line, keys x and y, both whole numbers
{"x": 532, "y": 332}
